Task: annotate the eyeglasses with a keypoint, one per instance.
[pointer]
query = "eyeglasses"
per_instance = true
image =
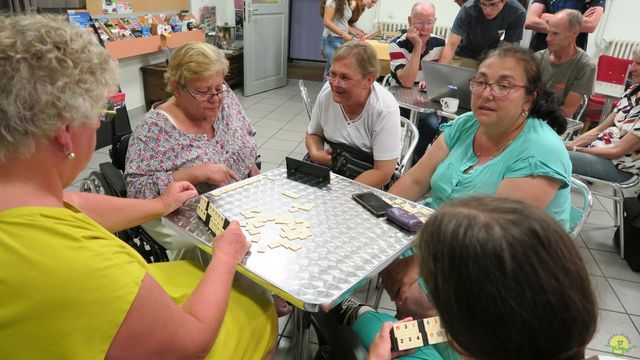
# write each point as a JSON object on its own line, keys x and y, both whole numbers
{"x": 428, "y": 23}
{"x": 499, "y": 89}
{"x": 336, "y": 80}
{"x": 200, "y": 96}
{"x": 492, "y": 5}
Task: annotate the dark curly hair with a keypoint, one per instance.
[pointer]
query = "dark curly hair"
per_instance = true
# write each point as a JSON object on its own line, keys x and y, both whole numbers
{"x": 546, "y": 105}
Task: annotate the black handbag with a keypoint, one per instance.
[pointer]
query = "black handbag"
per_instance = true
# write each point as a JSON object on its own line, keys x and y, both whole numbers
{"x": 349, "y": 161}
{"x": 631, "y": 221}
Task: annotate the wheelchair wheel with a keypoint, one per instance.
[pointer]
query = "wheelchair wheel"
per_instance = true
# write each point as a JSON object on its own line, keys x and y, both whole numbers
{"x": 150, "y": 250}
{"x": 95, "y": 183}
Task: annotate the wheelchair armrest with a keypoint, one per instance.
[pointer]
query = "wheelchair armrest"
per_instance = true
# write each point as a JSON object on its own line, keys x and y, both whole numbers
{"x": 115, "y": 178}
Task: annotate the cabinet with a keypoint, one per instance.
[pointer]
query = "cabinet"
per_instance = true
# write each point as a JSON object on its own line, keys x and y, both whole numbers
{"x": 154, "y": 85}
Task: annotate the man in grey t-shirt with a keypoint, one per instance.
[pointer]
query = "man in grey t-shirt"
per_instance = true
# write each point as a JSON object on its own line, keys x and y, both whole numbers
{"x": 482, "y": 25}
{"x": 566, "y": 69}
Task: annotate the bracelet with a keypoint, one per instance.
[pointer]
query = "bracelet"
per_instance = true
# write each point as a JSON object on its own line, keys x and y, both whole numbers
{"x": 574, "y": 148}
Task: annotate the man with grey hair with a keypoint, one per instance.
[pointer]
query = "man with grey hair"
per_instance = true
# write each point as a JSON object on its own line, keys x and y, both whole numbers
{"x": 541, "y": 10}
{"x": 566, "y": 69}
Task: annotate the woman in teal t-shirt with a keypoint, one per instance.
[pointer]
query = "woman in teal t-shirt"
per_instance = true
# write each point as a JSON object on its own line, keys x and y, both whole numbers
{"x": 508, "y": 146}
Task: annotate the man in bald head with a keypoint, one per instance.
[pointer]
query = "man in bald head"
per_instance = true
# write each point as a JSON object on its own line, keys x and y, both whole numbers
{"x": 566, "y": 69}
{"x": 406, "y": 53}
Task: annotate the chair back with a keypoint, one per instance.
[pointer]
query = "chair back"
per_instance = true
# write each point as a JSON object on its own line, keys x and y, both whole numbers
{"x": 308, "y": 105}
{"x": 573, "y": 127}
{"x": 581, "y": 204}
{"x": 408, "y": 142}
{"x": 386, "y": 81}
{"x": 612, "y": 69}
{"x": 119, "y": 152}
{"x": 583, "y": 106}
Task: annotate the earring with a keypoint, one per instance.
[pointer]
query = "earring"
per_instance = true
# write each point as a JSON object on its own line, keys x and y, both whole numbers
{"x": 525, "y": 113}
{"x": 71, "y": 155}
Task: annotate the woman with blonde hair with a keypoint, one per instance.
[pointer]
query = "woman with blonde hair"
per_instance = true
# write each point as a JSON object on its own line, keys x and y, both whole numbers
{"x": 354, "y": 110}
{"x": 72, "y": 290}
{"x": 201, "y": 134}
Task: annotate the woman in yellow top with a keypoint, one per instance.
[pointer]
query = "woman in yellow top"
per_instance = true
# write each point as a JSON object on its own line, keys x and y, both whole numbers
{"x": 69, "y": 288}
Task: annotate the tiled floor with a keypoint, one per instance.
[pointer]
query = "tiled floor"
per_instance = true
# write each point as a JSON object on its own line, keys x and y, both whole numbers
{"x": 280, "y": 120}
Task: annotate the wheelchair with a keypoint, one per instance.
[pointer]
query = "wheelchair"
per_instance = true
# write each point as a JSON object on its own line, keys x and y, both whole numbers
{"x": 115, "y": 131}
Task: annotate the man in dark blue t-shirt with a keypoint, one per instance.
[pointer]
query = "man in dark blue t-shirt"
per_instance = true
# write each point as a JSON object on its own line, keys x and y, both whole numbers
{"x": 542, "y": 10}
{"x": 482, "y": 25}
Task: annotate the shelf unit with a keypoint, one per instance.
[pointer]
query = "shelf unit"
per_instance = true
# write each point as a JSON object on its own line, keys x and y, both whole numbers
{"x": 121, "y": 49}
{"x": 154, "y": 86}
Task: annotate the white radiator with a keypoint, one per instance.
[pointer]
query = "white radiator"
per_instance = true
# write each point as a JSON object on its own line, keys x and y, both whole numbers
{"x": 396, "y": 26}
{"x": 622, "y": 48}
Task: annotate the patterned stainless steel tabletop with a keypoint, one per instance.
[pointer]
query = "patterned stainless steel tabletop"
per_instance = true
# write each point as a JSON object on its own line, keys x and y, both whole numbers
{"x": 348, "y": 244}
{"x": 413, "y": 99}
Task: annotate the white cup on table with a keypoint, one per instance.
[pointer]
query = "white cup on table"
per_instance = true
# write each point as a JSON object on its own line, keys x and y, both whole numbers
{"x": 449, "y": 104}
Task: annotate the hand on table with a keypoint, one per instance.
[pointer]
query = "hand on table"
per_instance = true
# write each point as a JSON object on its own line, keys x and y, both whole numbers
{"x": 231, "y": 245}
{"x": 217, "y": 174}
{"x": 176, "y": 194}
{"x": 357, "y": 33}
{"x": 381, "y": 346}
{"x": 398, "y": 277}
{"x": 254, "y": 170}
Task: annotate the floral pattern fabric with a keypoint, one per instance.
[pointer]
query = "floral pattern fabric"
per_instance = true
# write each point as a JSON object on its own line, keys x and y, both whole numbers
{"x": 157, "y": 148}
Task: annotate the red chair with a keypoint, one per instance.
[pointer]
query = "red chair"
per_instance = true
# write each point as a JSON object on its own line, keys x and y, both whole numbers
{"x": 612, "y": 70}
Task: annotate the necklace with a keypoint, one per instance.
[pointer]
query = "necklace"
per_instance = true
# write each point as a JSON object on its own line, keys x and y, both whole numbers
{"x": 498, "y": 150}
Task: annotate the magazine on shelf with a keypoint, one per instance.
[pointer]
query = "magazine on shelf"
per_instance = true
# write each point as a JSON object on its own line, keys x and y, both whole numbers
{"x": 83, "y": 18}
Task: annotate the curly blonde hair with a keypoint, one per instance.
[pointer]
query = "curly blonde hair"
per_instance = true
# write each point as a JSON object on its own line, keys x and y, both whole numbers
{"x": 193, "y": 61}
{"x": 53, "y": 70}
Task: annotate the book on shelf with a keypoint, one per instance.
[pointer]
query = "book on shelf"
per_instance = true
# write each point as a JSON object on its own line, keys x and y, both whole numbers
{"x": 83, "y": 18}
{"x": 103, "y": 32}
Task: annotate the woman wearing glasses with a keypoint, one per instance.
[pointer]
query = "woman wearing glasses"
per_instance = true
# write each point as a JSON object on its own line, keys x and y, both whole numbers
{"x": 354, "y": 110}
{"x": 508, "y": 146}
{"x": 201, "y": 134}
{"x": 70, "y": 289}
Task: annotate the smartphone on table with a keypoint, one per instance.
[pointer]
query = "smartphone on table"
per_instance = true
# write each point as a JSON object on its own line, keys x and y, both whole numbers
{"x": 372, "y": 202}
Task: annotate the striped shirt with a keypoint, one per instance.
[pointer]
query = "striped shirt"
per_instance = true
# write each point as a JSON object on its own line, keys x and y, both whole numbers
{"x": 400, "y": 49}
{"x": 626, "y": 121}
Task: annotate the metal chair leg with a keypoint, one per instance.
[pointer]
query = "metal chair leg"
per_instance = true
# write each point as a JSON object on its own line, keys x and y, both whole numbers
{"x": 376, "y": 301}
{"x": 619, "y": 217}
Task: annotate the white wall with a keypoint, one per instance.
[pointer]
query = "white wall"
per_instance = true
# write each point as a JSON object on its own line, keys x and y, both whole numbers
{"x": 130, "y": 77}
{"x": 617, "y": 22}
